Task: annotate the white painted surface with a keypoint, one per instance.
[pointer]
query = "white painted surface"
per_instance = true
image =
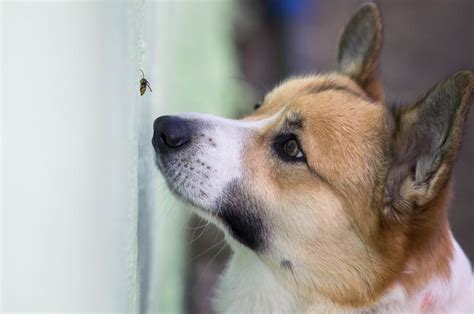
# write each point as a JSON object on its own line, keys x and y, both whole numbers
{"x": 69, "y": 183}
{"x": 76, "y": 165}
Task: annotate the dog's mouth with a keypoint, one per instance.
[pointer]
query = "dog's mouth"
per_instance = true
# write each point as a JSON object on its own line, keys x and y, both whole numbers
{"x": 188, "y": 178}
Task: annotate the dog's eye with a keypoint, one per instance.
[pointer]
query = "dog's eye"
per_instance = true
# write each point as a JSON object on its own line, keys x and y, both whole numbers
{"x": 292, "y": 149}
{"x": 257, "y": 105}
{"x": 287, "y": 148}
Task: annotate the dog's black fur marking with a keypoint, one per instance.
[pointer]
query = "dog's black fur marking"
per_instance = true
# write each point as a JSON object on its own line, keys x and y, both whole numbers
{"x": 286, "y": 264}
{"x": 244, "y": 217}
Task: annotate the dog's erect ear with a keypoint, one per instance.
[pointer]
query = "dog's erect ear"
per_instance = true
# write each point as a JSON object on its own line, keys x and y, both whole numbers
{"x": 426, "y": 141}
{"x": 359, "y": 50}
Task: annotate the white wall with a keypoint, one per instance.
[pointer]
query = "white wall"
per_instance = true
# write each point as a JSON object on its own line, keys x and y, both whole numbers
{"x": 69, "y": 156}
{"x": 86, "y": 221}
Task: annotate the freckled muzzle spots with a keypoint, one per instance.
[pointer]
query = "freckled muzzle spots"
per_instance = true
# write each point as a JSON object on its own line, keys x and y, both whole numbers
{"x": 187, "y": 168}
{"x": 188, "y": 178}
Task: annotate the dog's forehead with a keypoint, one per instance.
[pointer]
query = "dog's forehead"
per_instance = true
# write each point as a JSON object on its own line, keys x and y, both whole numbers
{"x": 295, "y": 91}
{"x": 332, "y": 97}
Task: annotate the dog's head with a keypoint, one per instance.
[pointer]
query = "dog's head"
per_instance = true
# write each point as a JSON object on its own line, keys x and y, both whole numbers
{"x": 329, "y": 186}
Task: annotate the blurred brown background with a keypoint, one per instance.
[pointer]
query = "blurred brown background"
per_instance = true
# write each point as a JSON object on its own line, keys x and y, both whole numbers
{"x": 425, "y": 41}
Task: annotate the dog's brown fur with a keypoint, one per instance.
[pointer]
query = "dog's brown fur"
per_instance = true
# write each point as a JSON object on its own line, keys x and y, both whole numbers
{"x": 385, "y": 211}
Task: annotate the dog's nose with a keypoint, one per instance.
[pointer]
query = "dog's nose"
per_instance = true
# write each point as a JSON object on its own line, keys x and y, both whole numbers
{"x": 170, "y": 133}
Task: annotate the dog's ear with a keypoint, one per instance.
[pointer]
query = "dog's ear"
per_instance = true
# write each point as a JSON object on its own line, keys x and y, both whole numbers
{"x": 359, "y": 50}
{"x": 426, "y": 140}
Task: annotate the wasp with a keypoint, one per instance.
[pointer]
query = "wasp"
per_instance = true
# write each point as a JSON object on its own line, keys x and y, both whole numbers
{"x": 144, "y": 84}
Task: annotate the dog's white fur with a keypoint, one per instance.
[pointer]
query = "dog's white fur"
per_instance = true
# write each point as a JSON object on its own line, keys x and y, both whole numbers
{"x": 248, "y": 286}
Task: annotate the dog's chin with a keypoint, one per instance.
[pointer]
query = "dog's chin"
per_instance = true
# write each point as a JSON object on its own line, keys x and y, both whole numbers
{"x": 183, "y": 190}
{"x": 198, "y": 206}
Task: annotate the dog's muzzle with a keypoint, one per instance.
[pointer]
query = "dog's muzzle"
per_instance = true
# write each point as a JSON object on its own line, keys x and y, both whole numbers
{"x": 170, "y": 133}
{"x": 200, "y": 158}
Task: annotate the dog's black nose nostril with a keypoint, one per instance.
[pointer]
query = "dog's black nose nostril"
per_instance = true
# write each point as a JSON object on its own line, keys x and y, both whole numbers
{"x": 170, "y": 132}
{"x": 173, "y": 140}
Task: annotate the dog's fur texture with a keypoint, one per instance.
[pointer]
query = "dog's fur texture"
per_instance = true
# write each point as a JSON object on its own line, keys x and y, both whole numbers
{"x": 359, "y": 223}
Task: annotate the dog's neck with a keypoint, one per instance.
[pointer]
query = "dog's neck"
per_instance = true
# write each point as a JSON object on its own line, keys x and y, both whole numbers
{"x": 248, "y": 286}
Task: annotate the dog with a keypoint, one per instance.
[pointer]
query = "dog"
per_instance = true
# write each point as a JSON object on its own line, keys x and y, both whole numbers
{"x": 333, "y": 200}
